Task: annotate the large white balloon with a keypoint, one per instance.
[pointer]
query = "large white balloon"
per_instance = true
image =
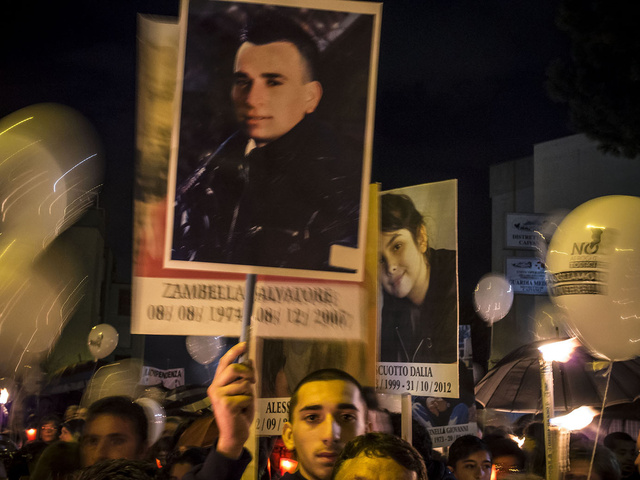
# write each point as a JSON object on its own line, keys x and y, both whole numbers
{"x": 103, "y": 339}
{"x": 155, "y": 417}
{"x": 50, "y": 172}
{"x": 204, "y": 350}
{"x": 593, "y": 275}
{"x": 493, "y": 297}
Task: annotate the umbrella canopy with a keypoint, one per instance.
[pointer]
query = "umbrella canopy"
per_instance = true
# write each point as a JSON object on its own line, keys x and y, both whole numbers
{"x": 186, "y": 399}
{"x": 513, "y": 385}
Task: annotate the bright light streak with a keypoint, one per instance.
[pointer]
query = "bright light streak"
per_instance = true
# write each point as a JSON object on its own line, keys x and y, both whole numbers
{"x": 576, "y": 420}
{"x": 17, "y": 152}
{"x": 16, "y": 124}
{"x": 558, "y": 351}
{"x": 4, "y": 396}
{"x": 75, "y": 166}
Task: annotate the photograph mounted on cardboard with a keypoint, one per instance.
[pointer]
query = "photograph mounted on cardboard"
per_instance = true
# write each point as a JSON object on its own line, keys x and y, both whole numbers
{"x": 268, "y": 174}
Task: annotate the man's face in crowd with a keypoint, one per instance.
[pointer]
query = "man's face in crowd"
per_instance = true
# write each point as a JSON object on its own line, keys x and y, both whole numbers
{"x": 48, "y": 432}
{"x": 373, "y": 468}
{"x": 110, "y": 437}
{"x": 625, "y": 454}
{"x": 476, "y": 466}
{"x": 505, "y": 466}
{"x": 272, "y": 90}
{"x": 328, "y": 414}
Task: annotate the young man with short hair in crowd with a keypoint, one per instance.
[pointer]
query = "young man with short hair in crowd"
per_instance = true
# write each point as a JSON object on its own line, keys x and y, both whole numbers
{"x": 327, "y": 410}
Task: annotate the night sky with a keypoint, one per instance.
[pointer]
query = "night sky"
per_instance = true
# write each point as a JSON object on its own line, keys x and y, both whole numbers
{"x": 461, "y": 87}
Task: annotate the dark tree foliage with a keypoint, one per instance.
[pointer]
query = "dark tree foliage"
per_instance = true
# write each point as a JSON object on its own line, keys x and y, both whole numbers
{"x": 601, "y": 83}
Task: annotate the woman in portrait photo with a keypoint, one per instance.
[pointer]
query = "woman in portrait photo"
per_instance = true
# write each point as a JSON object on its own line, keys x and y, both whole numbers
{"x": 419, "y": 312}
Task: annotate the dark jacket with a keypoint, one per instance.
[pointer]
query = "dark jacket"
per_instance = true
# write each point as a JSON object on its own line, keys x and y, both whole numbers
{"x": 219, "y": 467}
{"x": 283, "y": 205}
{"x": 293, "y": 476}
{"x": 434, "y": 339}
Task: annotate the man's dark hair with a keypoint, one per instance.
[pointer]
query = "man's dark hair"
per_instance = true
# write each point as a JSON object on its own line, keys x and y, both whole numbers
{"x": 463, "y": 447}
{"x": 420, "y": 437}
{"x": 611, "y": 439}
{"x": 120, "y": 469}
{"x": 505, "y": 447}
{"x": 50, "y": 418}
{"x": 270, "y": 27}
{"x": 323, "y": 375}
{"x": 123, "y": 407}
{"x": 383, "y": 445}
{"x": 398, "y": 212}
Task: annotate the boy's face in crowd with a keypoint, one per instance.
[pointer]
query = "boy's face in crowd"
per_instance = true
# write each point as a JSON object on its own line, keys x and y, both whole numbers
{"x": 476, "y": 466}
{"x": 327, "y": 415}
{"x": 110, "y": 437}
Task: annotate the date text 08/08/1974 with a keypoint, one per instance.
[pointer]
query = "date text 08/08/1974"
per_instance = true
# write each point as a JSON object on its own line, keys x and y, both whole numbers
{"x": 328, "y": 317}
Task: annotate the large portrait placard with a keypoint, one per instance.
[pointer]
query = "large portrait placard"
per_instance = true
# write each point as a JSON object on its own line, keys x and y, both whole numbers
{"x": 418, "y": 287}
{"x": 186, "y": 111}
{"x": 273, "y": 140}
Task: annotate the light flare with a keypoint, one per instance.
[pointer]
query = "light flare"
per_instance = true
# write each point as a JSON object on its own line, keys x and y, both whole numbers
{"x": 558, "y": 351}
{"x": 576, "y": 420}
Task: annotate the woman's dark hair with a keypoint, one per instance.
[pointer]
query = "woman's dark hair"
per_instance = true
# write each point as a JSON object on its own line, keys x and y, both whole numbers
{"x": 398, "y": 212}
{"x": 465, "y": 446}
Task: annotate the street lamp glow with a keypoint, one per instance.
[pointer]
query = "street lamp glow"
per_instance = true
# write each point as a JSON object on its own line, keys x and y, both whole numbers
{"x": 558, "y": 351}
{"x": 576, "y": 420}
{"x": 4, "y": 396}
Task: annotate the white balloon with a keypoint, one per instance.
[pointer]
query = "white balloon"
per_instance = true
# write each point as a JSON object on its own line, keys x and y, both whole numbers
{"x": 204, "y": 350}
{"x": 593, "y": 275}
{"x": 103, "y": 339}
{"x": 155, "y": 418}
{"x": 116, "y": 379}
{"x": 493, "y": 297}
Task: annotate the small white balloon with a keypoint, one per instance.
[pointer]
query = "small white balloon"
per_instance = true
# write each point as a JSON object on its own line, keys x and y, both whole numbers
{"x": 204, "y": 350}
{"x": 103, "y": 339}
{"x": 493, "y": 297}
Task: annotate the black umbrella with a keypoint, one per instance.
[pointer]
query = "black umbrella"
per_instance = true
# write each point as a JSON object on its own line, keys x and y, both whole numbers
{"x": 513, "y": 385}
{"x": 187, "y": 399}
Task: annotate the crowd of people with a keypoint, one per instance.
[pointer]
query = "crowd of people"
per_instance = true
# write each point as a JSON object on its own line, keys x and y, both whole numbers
{"x": 331, "y": 434}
